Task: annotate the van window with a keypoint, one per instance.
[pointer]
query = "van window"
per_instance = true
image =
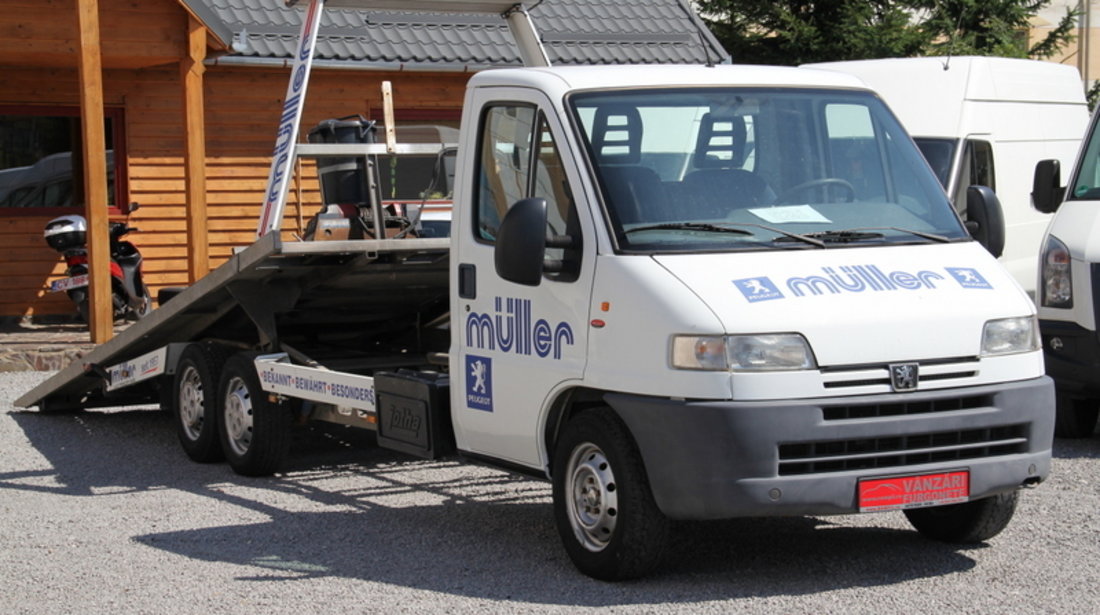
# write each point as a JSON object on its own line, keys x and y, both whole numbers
{"x": 939, "y": 153}
{"x": 1087, "y": 183}
{"x": 976, "y": 170}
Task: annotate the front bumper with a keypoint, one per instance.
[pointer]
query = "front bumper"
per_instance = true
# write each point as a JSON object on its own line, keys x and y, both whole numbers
{"x": 715, "y": 460}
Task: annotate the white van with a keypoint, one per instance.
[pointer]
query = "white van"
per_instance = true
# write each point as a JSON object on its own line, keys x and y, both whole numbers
{"x": 986, "y": 121}
{"x": 1069, "y": 275}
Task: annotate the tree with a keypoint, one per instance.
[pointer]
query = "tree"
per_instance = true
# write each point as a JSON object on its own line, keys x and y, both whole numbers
{"x": 990, "y": 27}
{"x": 794, "y": 32}
{"x": 797, "y": 32}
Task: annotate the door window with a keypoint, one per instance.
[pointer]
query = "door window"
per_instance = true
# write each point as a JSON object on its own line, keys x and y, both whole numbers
{"x": 518, "y": 158}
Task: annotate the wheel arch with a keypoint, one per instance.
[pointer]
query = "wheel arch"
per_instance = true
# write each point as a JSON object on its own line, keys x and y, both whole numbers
{"x": 567, "y": 404}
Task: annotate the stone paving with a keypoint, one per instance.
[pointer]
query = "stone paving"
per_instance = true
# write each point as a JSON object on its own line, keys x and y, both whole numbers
{"x": 27, "y": 346}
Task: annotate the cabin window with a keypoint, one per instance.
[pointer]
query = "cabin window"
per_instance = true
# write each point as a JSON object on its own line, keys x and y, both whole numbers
{"x": 41, "y": 159}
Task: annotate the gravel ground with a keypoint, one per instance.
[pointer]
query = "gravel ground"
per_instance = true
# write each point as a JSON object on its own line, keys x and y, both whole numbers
{"x": 101, "y": 512}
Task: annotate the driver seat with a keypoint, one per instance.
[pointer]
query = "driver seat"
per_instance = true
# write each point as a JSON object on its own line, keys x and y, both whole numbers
{"x": 719, "y": 184}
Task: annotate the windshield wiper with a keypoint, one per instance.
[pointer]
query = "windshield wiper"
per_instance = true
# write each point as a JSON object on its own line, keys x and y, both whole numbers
{"x": 871, "y": 232}
{"x": 729, "y": 227}
{"x": 845, "y": 236}
{"x": 688, "y": 226}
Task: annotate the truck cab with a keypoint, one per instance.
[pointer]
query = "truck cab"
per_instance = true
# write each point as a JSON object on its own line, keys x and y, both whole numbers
{"x": 692, "y": 257}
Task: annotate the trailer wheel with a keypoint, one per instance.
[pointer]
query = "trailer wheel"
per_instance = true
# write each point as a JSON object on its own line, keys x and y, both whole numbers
{"x": 1075, "y": 418}
{"x": 966, "y": 523}
{"x": 255, "y": 433}
{"x": 603, "y": 506}
{"x": 193, "y": 400}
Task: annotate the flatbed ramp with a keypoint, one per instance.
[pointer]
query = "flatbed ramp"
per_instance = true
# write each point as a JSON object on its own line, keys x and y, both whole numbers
{"x": 319, "y": 299}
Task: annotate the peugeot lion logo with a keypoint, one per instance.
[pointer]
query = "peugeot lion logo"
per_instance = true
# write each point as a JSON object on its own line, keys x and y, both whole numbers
{"x": 903, "y": 376}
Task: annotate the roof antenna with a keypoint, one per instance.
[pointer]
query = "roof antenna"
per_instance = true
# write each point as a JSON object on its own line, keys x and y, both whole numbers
{"x": 706, "y": 49}
{"x": 951, "y": 43}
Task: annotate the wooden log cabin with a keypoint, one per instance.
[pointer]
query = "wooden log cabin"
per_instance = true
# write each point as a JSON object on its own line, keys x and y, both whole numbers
{"x": 191, "y": 94}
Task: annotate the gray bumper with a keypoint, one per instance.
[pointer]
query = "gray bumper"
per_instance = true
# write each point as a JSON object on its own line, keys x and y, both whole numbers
{"x": 715, "y": 460}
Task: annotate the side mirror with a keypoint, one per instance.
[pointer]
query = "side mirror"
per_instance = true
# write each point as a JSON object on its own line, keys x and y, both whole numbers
{"x": 521, "y": 243}
{"x": 1046, "y": 189}
{"x": 985, "y": 219}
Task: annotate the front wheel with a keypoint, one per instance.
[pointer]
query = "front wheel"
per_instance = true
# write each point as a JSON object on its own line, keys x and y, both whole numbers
{"x": 603, "y": 507}
{"x": 967, "y": 523}
{"x": 255, "y": 433}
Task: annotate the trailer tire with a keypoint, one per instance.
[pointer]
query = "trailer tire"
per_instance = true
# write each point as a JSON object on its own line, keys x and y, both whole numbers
{"x": 193, "y": 400}
{"x": 1075, "y": 418}
{"x": 254, "y": 432}
{"x": 603, "y": 507}
{"x": 966, "y": 523}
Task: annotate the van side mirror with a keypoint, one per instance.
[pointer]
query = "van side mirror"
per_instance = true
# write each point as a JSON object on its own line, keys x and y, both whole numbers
{"x": 1046, "y": 188}
{"x": 521, "y": 242}
{"x": 985, "y": 219}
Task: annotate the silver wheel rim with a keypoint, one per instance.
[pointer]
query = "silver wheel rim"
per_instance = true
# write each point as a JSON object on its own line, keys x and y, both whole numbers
{"x": 238, "y": 416}
{"x": 593, "y": 501}
{"x": 191, "y": 397}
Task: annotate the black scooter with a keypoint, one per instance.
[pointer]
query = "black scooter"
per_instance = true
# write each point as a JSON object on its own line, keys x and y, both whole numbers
{"x": 129, "y": 296}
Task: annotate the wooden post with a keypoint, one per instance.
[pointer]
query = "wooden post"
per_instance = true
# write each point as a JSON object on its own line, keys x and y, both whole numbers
{"x": 100, "y": 312}
{"x": 192, "y": 69}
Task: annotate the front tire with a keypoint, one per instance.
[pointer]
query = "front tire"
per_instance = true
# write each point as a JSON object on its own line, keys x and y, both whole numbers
{"x": 603, "y": 507}
{"x": 193, "y": 400}
{"x": 254, "y": 432}
{"x": 966, "y": 523}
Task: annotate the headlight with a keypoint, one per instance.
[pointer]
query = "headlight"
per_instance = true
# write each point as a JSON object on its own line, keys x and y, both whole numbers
{"x": 1055, "y": 272}
{"x": 773, "y": 352}
{"x": 1010, "y": 335}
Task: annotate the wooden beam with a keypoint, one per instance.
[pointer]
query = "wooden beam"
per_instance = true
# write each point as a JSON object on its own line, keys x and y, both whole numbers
{"x": 194, "y": 126}
{"x": 100, "y": 312}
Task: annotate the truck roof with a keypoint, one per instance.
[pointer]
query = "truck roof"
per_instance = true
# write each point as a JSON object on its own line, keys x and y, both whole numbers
{"x": 561, "y": 80}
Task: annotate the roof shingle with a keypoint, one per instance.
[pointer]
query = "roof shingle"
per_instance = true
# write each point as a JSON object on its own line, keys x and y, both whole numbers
{"x": 573, "y": 32}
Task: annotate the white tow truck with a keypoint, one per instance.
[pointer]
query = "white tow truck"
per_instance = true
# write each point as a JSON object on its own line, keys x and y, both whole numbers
{"x": 659, "y": 292}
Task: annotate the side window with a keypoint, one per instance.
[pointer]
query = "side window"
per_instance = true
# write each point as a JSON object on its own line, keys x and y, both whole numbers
{"x": 518, "y": 158}
{"x": 977, "y": 170}
{"x": 504, "y": 163}
{"x": 551, "y": 184}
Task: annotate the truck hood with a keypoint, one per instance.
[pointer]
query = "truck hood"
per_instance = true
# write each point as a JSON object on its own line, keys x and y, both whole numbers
{"x": 859, "y": 305}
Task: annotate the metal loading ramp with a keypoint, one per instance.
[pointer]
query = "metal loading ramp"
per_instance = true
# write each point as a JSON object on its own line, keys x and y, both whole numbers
{"x": 308, "y": 295}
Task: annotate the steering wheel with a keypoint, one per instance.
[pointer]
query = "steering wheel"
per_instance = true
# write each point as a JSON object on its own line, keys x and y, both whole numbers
{"x": 814, "y": 183}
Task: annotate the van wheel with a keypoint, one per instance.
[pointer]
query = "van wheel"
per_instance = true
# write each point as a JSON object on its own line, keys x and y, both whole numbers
{"x": 1075, "y": 418}
{"x": 255, "y": 433}
{"x": 193, "y": 400}
{"x": 603, "y": 507}
{"x": 966, "y": 523}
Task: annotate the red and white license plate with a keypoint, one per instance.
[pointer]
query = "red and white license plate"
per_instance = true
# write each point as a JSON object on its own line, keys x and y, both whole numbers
{"x": 913, "y": 491}
{"x": 69, "y": 283}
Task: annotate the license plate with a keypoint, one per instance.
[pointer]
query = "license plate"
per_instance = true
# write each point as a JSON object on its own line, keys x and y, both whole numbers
{"x": 69, "y": 283}
{"x": 913, "y": 491}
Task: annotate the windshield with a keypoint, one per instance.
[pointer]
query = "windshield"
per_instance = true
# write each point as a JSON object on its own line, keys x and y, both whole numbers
{"x": 751, "y": 168}
{"x": 1087, "y": 183}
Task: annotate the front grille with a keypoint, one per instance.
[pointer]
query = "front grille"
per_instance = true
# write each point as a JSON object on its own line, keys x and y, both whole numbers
{"x": 900, "y": 451}
{"x": 850, "y": 376}
{"x": 865, "y": 411}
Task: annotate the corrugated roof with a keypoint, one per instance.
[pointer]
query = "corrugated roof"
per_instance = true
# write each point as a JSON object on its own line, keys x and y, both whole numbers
{"x": 573, "y": 32}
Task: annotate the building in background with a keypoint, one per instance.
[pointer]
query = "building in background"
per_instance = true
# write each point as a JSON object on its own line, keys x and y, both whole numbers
{"x": 172, "y": 69}
{"x": 1084, "y": 51}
